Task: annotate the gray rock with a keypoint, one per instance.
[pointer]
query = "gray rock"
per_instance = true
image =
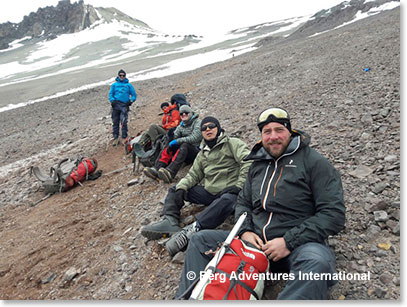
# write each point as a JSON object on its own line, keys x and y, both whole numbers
{"x": 132, "y": 182}
{"x": 374, "y": 229}
{"x": 396, "y": 229}
{"x": 396, "y": 215}
{"x": 386, "y": 278}
{"x": 361, "y": 171}
{"x": 381, "y": 253}
{"x": 380, "y": 293}
{"x": 70, "y": 274}
{"x": 49, "y": 279}
{"x": 395, "y": 204}
{"x": 391, "y": 158}
{"x": 380, "y": 216}
{"x": 380, "y": 187}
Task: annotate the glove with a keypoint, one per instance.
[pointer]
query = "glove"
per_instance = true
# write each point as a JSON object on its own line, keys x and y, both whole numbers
{"x": 173, "y": 144}
{"x": 180, "y": 196}
{"x": 231, "y": 190}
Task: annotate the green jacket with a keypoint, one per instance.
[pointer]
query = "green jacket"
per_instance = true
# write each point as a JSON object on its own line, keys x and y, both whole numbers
{"x": 219, "y": 167}
{"x": 189, "y": 132}
{"x": 298, "y": 196}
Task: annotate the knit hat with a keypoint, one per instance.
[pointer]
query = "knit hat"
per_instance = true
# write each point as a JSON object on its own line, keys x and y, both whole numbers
{"x": 164, "y": 104}
{"x": 211, "y": 119}
{"x": 185, "y": 108}
{"x": 121, "y": 71}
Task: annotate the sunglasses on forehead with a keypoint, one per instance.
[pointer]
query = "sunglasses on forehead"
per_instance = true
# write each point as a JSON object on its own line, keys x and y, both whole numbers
{"x": 210, "y": 126}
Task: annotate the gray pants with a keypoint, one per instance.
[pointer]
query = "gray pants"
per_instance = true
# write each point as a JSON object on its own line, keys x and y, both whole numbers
{"x": 310, "y": 257}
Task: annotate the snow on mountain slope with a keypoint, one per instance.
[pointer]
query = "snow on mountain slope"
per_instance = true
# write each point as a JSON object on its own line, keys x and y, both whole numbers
{"x": 34, "y": 69}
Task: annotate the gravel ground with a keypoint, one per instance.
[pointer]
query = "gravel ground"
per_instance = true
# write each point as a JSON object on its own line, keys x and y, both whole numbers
{"x": 352, "y": 115}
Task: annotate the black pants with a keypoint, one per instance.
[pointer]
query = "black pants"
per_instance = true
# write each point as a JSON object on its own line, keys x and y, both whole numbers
{"x": 186, "y": 154}
{"x": 310, "y": 257}
{"x": 220, "y": 207}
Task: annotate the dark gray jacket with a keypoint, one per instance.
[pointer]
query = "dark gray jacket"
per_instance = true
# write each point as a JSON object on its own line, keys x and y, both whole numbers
{"x": 298, "y": 196}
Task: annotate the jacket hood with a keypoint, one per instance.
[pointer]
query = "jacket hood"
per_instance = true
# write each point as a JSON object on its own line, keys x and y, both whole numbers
{"x": 299, "y": 139}
{"x": 125, "y": 80}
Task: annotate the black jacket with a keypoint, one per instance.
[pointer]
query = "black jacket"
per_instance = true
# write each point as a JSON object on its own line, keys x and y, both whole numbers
{"x": 298, "y": 196}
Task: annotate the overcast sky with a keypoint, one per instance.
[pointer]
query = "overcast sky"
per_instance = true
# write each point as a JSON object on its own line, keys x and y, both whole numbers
{"x": 188, "y": 16}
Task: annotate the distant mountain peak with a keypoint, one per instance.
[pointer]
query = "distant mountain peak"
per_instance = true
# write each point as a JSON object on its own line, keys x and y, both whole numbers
{"x": 65, "y": 17}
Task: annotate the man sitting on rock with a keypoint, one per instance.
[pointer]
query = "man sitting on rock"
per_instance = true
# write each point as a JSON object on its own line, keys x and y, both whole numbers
{"x": 220, "y": 168}
{"x": 293, "y": 197}
{"x": 182, "y": 149}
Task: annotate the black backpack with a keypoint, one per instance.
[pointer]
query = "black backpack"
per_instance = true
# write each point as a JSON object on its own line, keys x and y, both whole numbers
{"x": 150, "y": 154}
{"x": 180, "y": 100}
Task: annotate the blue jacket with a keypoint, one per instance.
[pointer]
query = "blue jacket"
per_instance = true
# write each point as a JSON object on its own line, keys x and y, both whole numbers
{"x": 122, "y": 90}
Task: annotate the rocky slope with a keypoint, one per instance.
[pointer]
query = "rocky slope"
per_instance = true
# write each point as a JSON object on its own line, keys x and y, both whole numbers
{"x": 85, "y": 243}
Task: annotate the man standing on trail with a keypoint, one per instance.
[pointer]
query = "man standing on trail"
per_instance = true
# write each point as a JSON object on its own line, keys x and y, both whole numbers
{"x": 293, "y": 198}
{"x": 121, "y": 96}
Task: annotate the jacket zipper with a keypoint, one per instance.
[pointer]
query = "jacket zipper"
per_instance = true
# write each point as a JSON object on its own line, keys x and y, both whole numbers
{"x": 265, "y": 199}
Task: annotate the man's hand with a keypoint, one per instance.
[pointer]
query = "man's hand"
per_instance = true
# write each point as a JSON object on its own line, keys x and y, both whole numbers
{"x": 276, "y": 249}
{"x": 252, "y": 238}
{"x": 180, "y": 196}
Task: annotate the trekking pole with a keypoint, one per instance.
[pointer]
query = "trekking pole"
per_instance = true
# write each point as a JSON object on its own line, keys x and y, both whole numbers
{"x": 211, "y": 267}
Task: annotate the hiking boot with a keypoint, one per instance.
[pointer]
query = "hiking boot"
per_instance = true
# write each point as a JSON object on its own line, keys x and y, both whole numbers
{"x": 157, "y": 230}
{"x": 180, "y": 240}
{"x": 150, "y": 172}
{"x": 165, "y": 175}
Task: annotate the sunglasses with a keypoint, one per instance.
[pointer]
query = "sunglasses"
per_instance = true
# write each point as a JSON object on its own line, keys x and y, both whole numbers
{"x": 273, "y": 112}
{"x": 184, "y": 113}
{"x": 210, "y": 126}
{"x": 122, "y": 75}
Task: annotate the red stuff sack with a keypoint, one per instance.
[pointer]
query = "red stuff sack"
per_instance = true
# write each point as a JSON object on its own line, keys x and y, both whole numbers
{"x": 238, "y": 276}
{"x": 80, "y": 173}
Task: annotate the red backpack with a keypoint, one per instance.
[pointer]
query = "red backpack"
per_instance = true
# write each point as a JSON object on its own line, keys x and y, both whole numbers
{"x": 237, "y": 275}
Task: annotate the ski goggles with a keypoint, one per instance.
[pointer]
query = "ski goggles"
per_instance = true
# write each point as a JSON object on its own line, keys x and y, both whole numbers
{"x": 210, "y": 126}
{"x": 276, "y": 115}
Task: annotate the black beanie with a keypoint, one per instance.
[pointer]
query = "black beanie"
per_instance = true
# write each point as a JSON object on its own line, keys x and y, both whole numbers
{"x": 164, "y": 104}
{"x": 121, "y": 71}
{"x": 211, "y": 119}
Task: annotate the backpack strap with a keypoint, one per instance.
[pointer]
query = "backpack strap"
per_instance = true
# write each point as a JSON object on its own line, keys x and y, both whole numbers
{"x": 235, "y": 282}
